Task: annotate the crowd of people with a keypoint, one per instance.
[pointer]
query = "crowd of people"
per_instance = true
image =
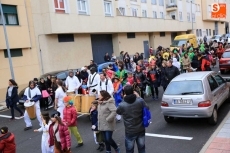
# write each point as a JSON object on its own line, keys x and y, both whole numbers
{"x": 119, "y": 87}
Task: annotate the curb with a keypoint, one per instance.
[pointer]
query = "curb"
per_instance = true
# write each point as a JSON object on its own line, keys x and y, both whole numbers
{"x": 2, "y": 108}
{"x": 205, "y": 147}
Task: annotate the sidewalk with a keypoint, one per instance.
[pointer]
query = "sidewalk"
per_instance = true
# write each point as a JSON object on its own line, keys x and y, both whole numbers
{"x": 219, "y": 142}
{"x": 2, "y": 105}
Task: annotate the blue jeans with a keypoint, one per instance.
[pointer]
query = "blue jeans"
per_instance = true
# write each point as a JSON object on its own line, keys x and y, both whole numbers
{"x": 130, "y": 140}
{"x": 109, "y": 140}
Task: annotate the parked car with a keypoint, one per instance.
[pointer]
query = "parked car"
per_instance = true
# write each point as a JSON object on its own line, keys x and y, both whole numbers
{"x": 224, "y": 62}
{"x": 194, "y": 95}
{"x": 226, "y": 36}
{"x": 59, "y": 74}
{"x": 217, "y": 38}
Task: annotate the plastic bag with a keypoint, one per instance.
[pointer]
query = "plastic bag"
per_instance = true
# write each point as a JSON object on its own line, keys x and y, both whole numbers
{"x": 148, "y": 90}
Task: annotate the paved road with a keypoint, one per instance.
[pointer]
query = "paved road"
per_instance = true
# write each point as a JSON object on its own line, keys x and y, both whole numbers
{"x": 195, "y": 129}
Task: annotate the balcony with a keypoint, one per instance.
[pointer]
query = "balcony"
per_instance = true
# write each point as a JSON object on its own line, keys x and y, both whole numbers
{"x": 171, "y": 7}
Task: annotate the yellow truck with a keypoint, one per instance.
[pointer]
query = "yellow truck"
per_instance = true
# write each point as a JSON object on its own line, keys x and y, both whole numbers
{"x": 182, "y": 39}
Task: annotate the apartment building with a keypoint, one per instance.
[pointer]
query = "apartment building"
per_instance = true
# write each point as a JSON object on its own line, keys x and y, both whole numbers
{"x": 18, "y": 18}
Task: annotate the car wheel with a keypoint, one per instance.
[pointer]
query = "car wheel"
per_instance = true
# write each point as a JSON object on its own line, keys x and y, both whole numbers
{"x": 222, "y": 71}
{"x": 169, "y": 119}
{"x": 213, "y": 119}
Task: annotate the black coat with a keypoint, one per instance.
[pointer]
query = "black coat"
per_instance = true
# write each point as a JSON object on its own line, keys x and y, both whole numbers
{"x": 163, "y": 77}
{"x": 107, "y": 58}
{"x": 171, "y": 72}
{"x": 94, "y": 119}
{"x": 139, "y": 77}
{"x": 42, "y": 86}
{"x": 13, "y": 99}
{"x": 195, "y": 62}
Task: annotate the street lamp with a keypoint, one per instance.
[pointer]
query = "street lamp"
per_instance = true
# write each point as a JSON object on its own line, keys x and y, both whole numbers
{"x": 7, "y": 43}
{"x": 192, "y": 17}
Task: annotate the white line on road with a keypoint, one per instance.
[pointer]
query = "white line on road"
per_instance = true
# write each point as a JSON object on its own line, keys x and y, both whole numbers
{"x": 6, "y": 116}
{"x": 168, "y": 136}
{"x": 80, "y": 115}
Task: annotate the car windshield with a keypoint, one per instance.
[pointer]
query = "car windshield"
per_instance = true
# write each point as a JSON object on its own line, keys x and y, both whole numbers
{"x": 226, "y": 55}
{"x": 185, "y": 87}
{"x": 178, "y": 43}
{"x": 215, "y": 37}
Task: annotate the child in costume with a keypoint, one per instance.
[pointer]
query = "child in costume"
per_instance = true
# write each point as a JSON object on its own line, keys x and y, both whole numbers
{"x": 121, "y": 73}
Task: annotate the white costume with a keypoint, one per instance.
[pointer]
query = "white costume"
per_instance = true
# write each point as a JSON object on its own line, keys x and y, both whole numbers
{"x": 30, "y": 95}
{"x": 102, "y": 86}
{"x": 93, "y": 81}
{"x": 45, "y": 138}
{"x": 59, "y": 95}
{"x": 72, "y": 83}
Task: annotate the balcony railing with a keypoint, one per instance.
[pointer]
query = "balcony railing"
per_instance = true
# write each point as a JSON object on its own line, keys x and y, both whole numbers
{"x": 171, "y": 7}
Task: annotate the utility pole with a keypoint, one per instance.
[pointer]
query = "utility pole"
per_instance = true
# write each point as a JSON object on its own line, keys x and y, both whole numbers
{"x": 192, "y": 16}
{"x": 7, "y": 43}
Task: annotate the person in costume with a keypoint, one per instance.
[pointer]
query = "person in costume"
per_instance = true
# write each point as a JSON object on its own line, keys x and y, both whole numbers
{"x": 32, "y": 94}
{"x": 220, "y": 50}
{"x": 202, "y": 49}
{"x": 121, "y": 73}
{"x": 70, "y": 118}
{"x": 93, "y": 81}
{"x": 59, "y": 135}
{"x": 59, "y": 95}
{"x": 45, "y": 135}
{"x": 117, "y": 90}
{"x": 139, "y": 79}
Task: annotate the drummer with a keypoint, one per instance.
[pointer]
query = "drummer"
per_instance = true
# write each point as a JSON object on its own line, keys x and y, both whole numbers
{"x": 105, "y": 84}
{"x": 93, "y": 81}
{"x": 32, "y": 94}
{"x": 72, "y": 82}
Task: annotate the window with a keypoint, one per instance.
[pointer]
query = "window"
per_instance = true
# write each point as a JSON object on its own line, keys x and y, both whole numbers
{"x": 209, "y": 8}
{"x": 122, "y": 11}
{"x": 144, "y": 13}
{"x": 161, "y": 2}
{"x": 82, "y": 6}
{"x": 60, "y": 6}
{"x": 212, "y": 83}
{"x": 193, "y": 17}
{"x": 200, "y": 32}
{"x": 161, "y": 15}
{"x": 162, "y": 34}
{"x": 197, "y": 32}
{"x": 154, "y": 2}
{"x": 219, "y": 80}
{"x": 226, "y": 55}
{"x": 131, "y": 35}
{"x": 154, "y": 14}
{"x": 108, "y": 8}
{"x": 134, "y": 11}
{"x": 13, "y": 53}
{"x": 143, "y": 1}
{"x": 206, "y": 32}
{"x": 65, "y": 38}
{"x": 172, "y": 1}
{"x": 180, "y": 16}
{"x": 61, "y": 76}
{"x": 198, "y": 7}
{"x": 210, "y": 32}
{"x": 188, "y": 17}
{"x": 10, "y": 15}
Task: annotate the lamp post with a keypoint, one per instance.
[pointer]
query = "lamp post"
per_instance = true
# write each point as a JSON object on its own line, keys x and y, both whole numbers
{"x": 192, "y": 17}
{"x": 7, "y": 43}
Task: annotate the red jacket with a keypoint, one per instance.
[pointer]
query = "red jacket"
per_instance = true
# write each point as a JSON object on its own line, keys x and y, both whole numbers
{"x": 7, "y": 143}
{"x": 70, "y": 116}
{"x": 205, "y": 63}
{"x": 64, "y": 136}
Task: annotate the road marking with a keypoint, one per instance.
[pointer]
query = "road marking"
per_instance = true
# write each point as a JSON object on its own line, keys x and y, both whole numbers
{"x": 80, "y": 115}
{"x": 168, "y": 136}
{"x": 6, "y": 116}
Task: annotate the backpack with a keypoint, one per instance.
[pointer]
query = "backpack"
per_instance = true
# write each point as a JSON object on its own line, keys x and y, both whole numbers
{"x": 106, "y": 83}
{"x": 146, "y": 115}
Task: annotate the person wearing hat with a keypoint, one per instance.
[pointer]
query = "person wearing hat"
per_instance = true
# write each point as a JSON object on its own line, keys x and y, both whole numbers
{"x": 7, "y": 141}
{"x": 70, "y": 118}
{"x": 59, "y": 135}
{"x": 72, "y": 82}
{"x": 93, "y": 81}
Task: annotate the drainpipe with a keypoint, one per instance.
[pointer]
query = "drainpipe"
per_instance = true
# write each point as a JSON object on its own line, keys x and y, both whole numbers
{"x": 40, "y": 52}
{"x": 28, "y": 24}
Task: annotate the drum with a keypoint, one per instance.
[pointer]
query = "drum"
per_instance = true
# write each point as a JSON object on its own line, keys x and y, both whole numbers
{"x": 30, "y": 108}
{"x": 70, "y": 92}
{"x": 77, "y": 102}
{"x": 86, "y": 101}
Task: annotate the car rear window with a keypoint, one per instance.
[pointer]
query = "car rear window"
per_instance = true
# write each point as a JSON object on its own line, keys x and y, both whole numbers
{"x": 185, "y": 87}
{"x": 226, "y": 55}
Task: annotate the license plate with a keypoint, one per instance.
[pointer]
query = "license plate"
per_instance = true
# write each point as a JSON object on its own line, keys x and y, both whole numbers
{"x": 21, "y": 101}
{"x": 182, "y": 101}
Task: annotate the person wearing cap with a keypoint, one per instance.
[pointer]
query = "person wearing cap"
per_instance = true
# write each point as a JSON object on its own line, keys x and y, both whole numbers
{"x": 32, "y": 94}
{"x": 70, "y": 118}
{"x": 93, "y": 81}
{"x": 7, "y": 141}
{"x": 59, "y": 135}
{"x": 72, "y": 82}
{"x": 105, "y": 84}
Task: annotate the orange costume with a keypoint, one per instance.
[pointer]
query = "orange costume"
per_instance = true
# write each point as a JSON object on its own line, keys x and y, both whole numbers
{"x": 220, "y": 51}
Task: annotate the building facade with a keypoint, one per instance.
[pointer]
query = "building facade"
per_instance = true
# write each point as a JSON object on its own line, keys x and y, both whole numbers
{"x": 21, "y": 36}
{"x": 56, "y": 35}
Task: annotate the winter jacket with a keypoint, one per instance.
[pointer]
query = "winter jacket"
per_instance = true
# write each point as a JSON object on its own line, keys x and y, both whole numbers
{"x": 107, "y": 58}
{"x": 13, "y": 99}
{"x": 205, "y": 64}
{"x": 170, "y": 73}
{"x": 94, "y": 119}
{"x": 139, "y": 78}
{"x": 7, "y": 143}
{"x": 154, "y": 78}
{"x": 64, "y": 136}
{"x": 164, "y": 81}
{"x": 195, "y": 62}
{"x": 186, "y": 62}
{"x": 70, "y": 116}
{"x": 106, "y": 115}
{"x": 131, "y": 110}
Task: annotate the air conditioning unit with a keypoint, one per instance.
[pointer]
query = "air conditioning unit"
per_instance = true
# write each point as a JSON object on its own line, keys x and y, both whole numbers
{"x": 173, "y": 17}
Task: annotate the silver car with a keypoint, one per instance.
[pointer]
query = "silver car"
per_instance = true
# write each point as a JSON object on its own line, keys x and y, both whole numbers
{"x": 194, "y": 95}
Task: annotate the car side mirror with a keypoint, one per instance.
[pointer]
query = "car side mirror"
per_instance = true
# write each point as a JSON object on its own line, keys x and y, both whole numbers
{"x": 227, "y": 80}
